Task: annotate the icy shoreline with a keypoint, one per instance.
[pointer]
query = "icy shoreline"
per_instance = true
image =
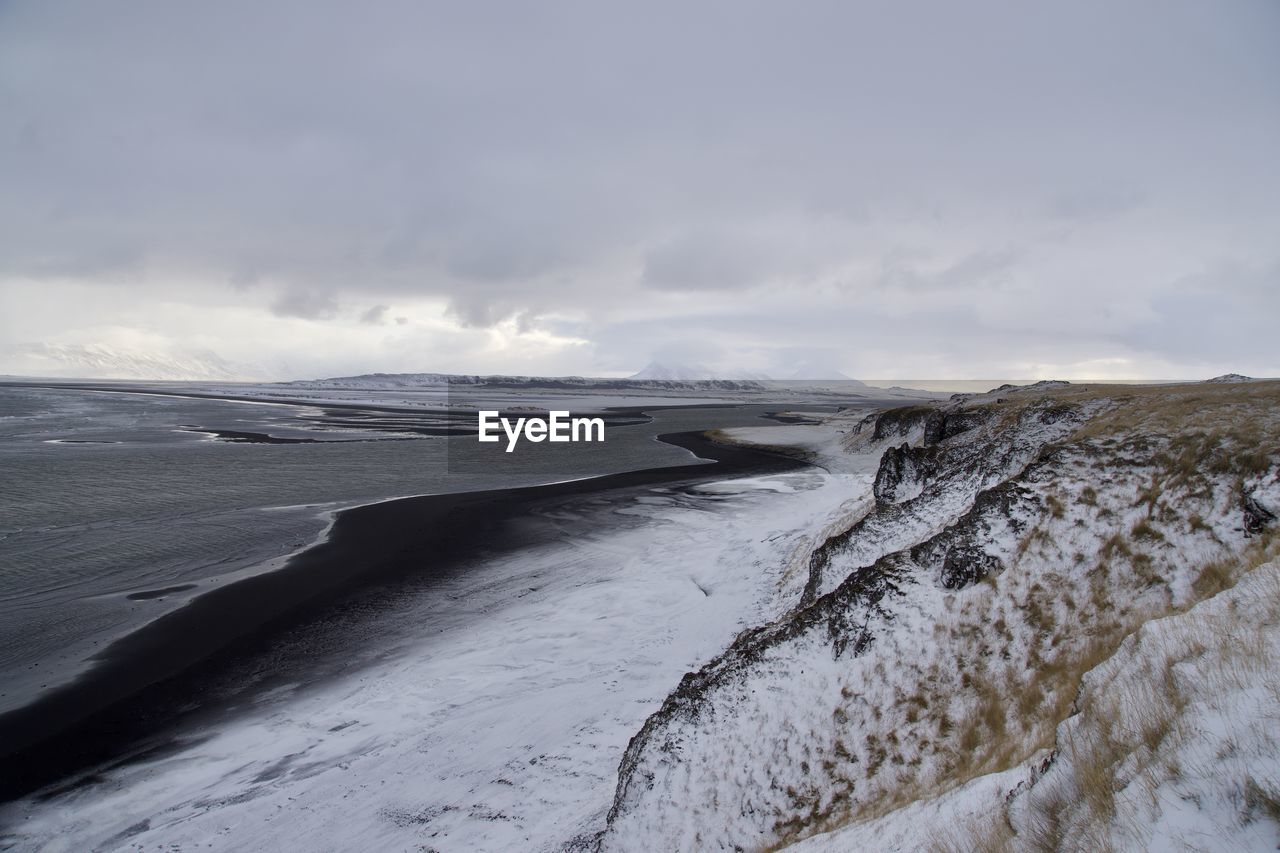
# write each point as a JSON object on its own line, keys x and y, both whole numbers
{"x": 506, "y": 726}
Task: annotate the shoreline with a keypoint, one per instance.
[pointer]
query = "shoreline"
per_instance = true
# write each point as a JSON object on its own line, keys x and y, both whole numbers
{"x": 348, "y": 405}
{"x": 147, "y": 683}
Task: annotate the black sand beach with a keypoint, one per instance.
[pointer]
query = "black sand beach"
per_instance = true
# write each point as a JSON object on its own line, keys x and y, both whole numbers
{"x": 144, "y": 686}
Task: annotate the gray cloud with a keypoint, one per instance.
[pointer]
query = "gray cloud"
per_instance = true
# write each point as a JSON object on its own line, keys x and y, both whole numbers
{"x": 375, "y": 316}
{"x": 1028, "y": 184}
{"x": 703, "y": 262}
{"x": 1224, "y": 312}
{"x": 982, "y": 269}
{"x": 305, "y": 304}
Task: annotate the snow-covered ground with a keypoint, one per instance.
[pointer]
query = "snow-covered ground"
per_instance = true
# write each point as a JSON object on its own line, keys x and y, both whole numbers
{"x": 1174, "y": 747}
{"x": 875, "y": 653}
{"x": 496, "y": 715}
{"x": 1013, "y": 543}
{"x": 1177, "y": 742}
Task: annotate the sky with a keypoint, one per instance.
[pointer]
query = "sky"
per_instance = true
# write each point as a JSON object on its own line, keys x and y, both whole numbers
{"x": 885, "y": 189}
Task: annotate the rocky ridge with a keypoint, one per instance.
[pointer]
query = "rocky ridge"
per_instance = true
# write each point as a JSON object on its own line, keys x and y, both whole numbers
{"x": 1014, "y": 540}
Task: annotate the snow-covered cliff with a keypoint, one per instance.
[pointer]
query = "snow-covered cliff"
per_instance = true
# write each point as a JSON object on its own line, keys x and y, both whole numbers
{"x": 1011, "y": 544}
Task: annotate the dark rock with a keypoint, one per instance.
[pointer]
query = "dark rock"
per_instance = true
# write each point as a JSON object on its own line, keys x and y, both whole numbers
{"x": 1054, "y": 412}
{"x": 954, "y": 553}
{"x": 1256, "y": 516}
{"x": 890, "y": 474}
{"x": 936, "y": 424}
{"x": 899, "y": 422}
{"x": 902, "y": 467}
{"x": 933, "y": 432}
{"x": 963, "y": 420}
{"x": 1042, "y": 385}
{"x": 965, "y": 565}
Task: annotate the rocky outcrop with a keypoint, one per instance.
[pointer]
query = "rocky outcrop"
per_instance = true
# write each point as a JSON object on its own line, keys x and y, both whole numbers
{"x": 1256, "y": 516}
{"x": 931, "y": 424}
{"x": 904, "y": 470}
{"x": 957, "y": 556}
{"x": 902, "y": 422}
{"x": 902, "y": 474}
{"x": 1042, "y": 385}
{"x": 919, "y": 489}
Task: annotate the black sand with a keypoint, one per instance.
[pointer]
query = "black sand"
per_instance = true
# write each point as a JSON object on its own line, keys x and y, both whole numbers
{"x": 147, "y": 683}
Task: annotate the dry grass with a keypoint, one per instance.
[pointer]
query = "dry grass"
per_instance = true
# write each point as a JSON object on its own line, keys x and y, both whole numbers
{"x": 1213, "y": 578}
{"x": 1133, "y": 726}
{"x": 974, "y": 835}
{"x": 1262, "y": 799}
{"x": 989, "y": 713}
{"x": 1144, "y": 530}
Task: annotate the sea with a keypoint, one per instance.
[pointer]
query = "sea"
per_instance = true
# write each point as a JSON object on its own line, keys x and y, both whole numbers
{"x": 117, "y": 507}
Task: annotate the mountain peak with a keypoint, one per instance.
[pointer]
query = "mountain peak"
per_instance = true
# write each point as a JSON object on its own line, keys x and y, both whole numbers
{"x": 671, "y": 372}
{"x": 657, "y": 371}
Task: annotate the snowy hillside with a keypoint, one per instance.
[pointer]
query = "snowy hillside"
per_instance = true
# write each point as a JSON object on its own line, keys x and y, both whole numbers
{"x": 1011, "y": 543}
{"x": 1173, "y": 747}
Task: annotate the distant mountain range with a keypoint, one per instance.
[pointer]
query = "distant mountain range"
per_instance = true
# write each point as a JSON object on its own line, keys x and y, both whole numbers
{"x": 809, "y": 371}
{"x": 98, "y": 361}
{"x": 669, "y": 372}
{"x": 384, "y": 381}
{"x": 95, "y": 361}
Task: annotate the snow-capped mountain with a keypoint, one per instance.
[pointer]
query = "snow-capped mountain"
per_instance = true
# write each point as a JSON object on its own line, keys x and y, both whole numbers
{"x": 811, "y": 370}
{"x": 96, "y": 361}
{"x": 672, "y": 372}
{"x": 676, "y": 372}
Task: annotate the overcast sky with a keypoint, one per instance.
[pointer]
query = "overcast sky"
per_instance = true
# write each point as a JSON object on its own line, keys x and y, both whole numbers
{"x": 891, "y": 189}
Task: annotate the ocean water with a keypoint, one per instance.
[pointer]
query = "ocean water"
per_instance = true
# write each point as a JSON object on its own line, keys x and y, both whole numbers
{"x": 116, "y": 508}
